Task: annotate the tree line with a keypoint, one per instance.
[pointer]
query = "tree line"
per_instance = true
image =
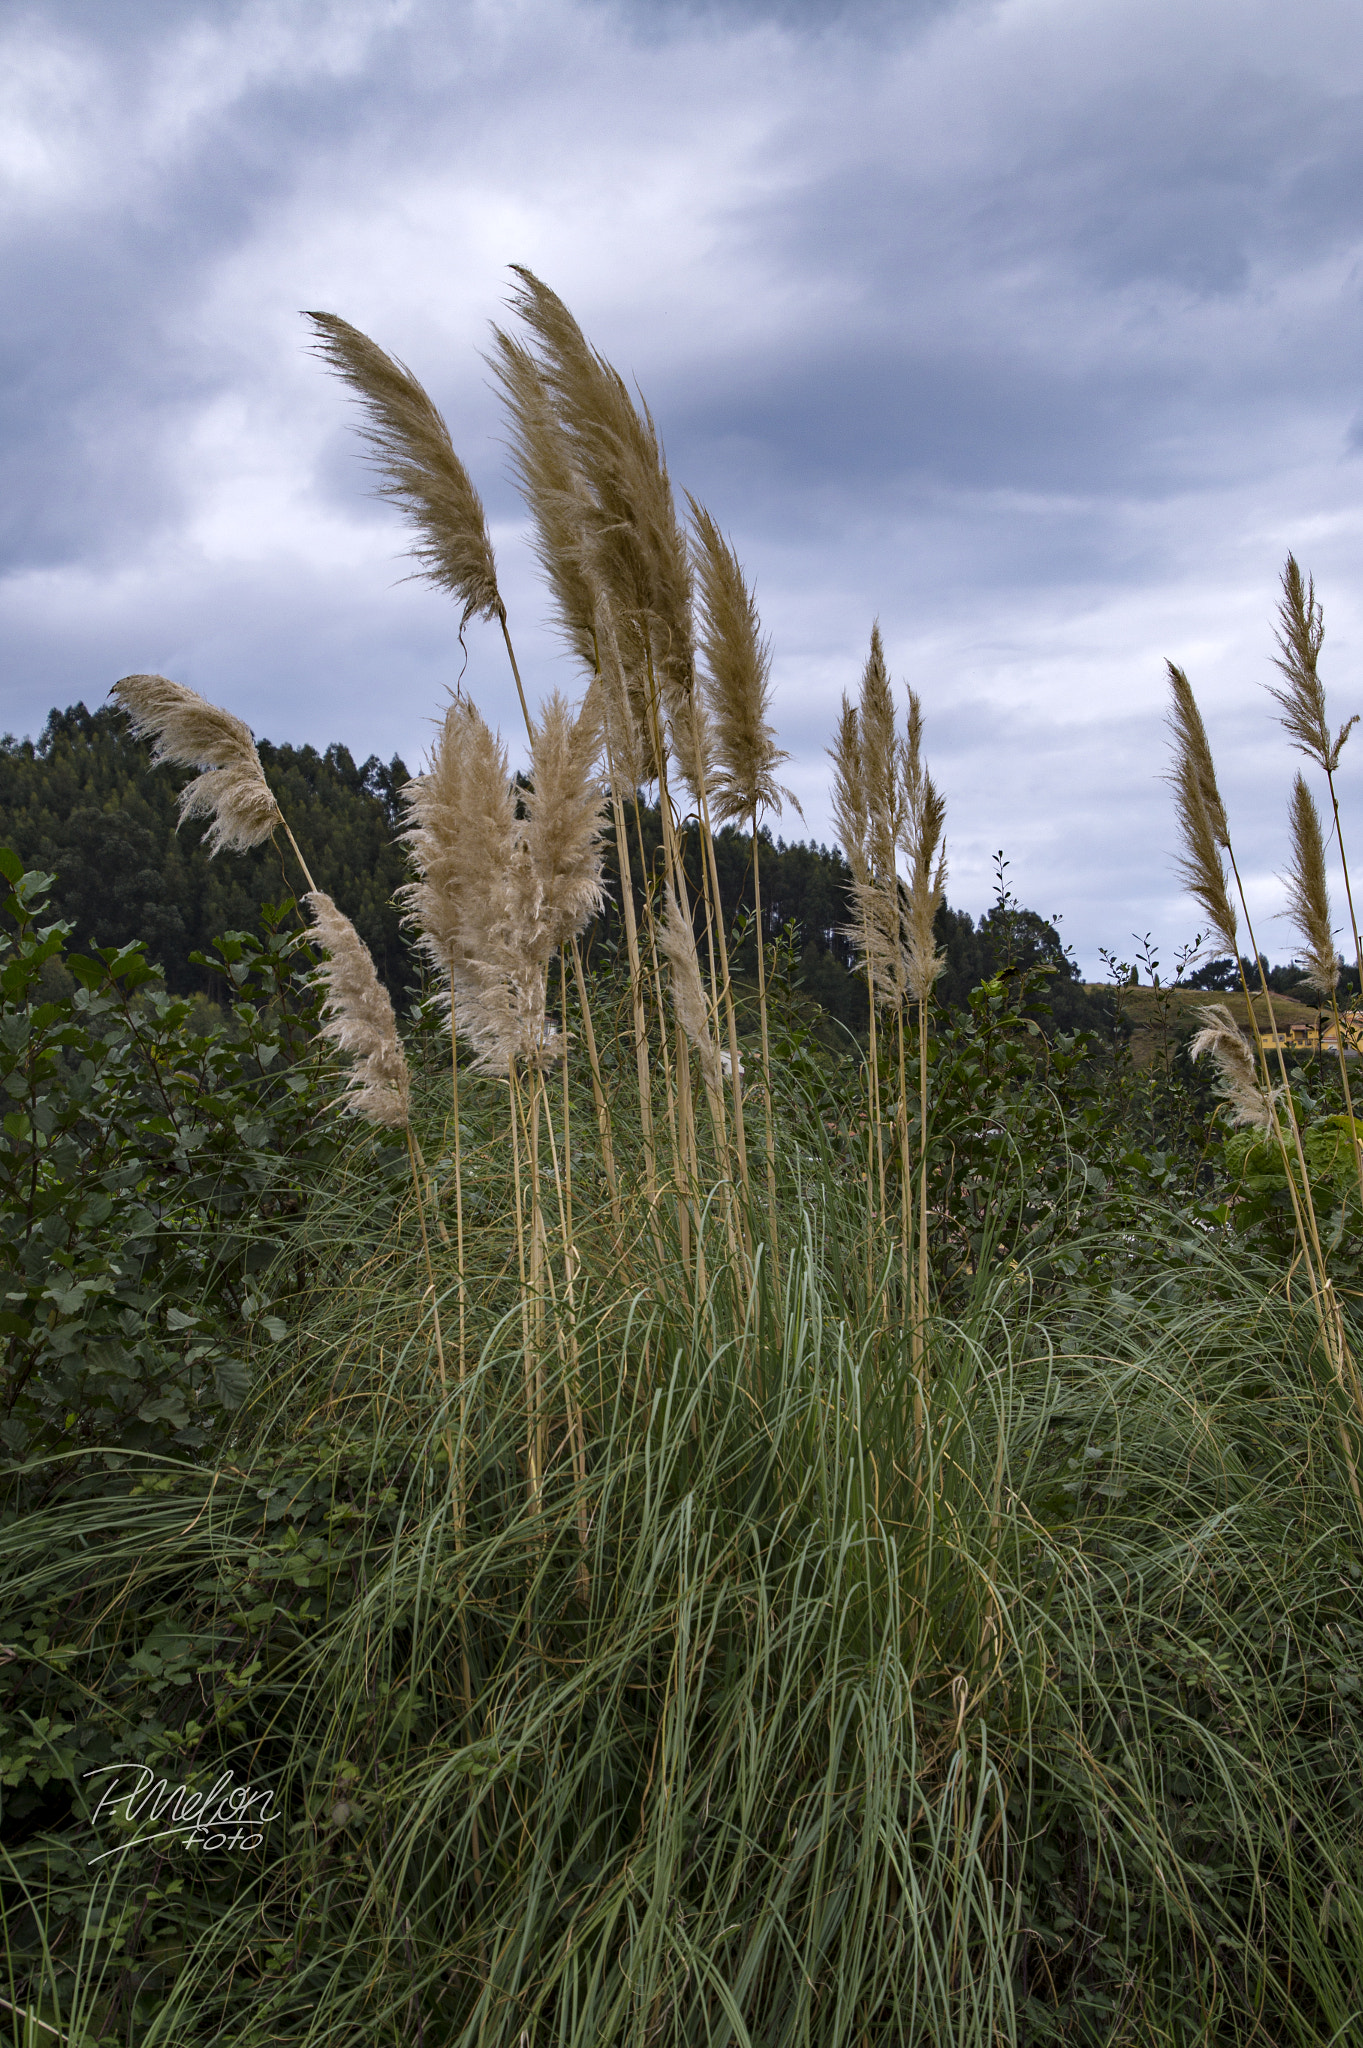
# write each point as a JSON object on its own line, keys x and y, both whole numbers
{"x": 85, "y": 803}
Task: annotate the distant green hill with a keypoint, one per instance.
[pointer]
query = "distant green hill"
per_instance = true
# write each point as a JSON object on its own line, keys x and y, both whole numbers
{"x": 84, "y": 802}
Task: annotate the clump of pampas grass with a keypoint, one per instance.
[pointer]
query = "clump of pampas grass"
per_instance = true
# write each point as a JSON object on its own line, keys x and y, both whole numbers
{"x": 231, "y": 790}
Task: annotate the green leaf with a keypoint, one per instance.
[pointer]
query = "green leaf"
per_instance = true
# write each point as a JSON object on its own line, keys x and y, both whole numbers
{"x": 231, "y": 1381}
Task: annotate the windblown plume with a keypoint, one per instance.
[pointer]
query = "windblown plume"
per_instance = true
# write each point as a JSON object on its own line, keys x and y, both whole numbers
{"x": 563, "y": 821}
{"x": 878, "y": 894}
{"x": 851, "y": 813}
{"x": 555, "y": 492}
{"x": 193, "y": 733}
{"x": 924, "y": 815}
{"x": 415, "y": 457}
{"x": 1222, "y": 1037}
{"x": 498, "y": 894}
{"x": 880, "y": 758}
{"x": 738, "y": 692}
{"x": 358, "y": 1018}
{"x": 1308, "y": 896}
{"x": 678, "y": 942}
{"x": 438, "y": 839}
{"x": 1301, "y": 631}
{"x": 1200, "y": 812}
{"x": 631, "y": 541}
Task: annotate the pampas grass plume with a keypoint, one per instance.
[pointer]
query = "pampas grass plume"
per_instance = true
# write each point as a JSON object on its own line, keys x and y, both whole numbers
{"x": 415, "y": 458}
{"x": 1222, "y": 1037}
{"x": 738, "y": 665}
{"x": 924, "y": 819}
{"x": 851, "y": 812}
{"x": 358, "y": 1018}
{"x": 1308, "y": 897}
{"x": 1200, "y": 812}
{"x": 563, "y": 821}
{"x": 190, "y": 731}
{"x": 1301, "y": 632}
{"x": 630, "y": 542}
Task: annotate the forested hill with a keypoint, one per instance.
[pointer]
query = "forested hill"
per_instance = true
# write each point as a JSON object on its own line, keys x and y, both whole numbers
{"x": 85, "y": 803}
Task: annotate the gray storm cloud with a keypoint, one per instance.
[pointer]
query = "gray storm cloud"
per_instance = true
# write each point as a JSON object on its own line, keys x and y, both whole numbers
{"x": 1032, "y": 329}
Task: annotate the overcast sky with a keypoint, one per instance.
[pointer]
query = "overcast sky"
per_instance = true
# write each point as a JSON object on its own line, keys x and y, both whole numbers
{"x": 1031, "y": 327}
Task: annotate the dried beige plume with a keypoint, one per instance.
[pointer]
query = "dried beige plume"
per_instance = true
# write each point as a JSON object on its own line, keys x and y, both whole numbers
{"x": 563, "y": 820}
{"x": 738, "y": 683}
{"x": 678, "y": 942}
{"x": 1301, "y": 631}
{"x": 878, "y": 896}
{"x": 555, "y": 491}
{"x": 358, "y": 1018}
{"x": 437, "y": 835}
{"x": 1222, "y": 1037}
{"x": 851, "y": 813}
{"x": 498, "y": 894}
{"x": 193, "y": 733}
{"x": 415, "y": 457}
{"x": 924, "y": 815}
{"x": 1308, "y": 896}
{"x": 631, "y": 540}
{"x": 1200, "y": 812}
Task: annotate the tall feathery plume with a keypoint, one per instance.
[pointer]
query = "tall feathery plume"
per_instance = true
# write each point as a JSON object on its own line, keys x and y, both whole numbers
{"x": 357, "y": 1016}
{"x": 555, "y": 491}
{"x": 1308, "y": 898}
{"x": 188, "y": 730}
{"x": 563, "y": 819}
{"x": 877, "y": 893}
{"x": 743, "y": 775}
{"x": 1300, "y": 635}
{"x": 1200, "y": 812}
{"x": 1301, "y": 700}
{"x": 1308, "y": 906}
{"x": 415, "y": 458}
{"x": 878, "y": 898}
{"x": 631, "y": 536}
{"x": 1250, "y": 1103}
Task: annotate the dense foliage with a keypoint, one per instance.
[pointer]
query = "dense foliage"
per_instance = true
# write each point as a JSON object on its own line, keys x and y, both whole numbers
{"x": 789, "y": 1723}
{"x": 85, "y": 803}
